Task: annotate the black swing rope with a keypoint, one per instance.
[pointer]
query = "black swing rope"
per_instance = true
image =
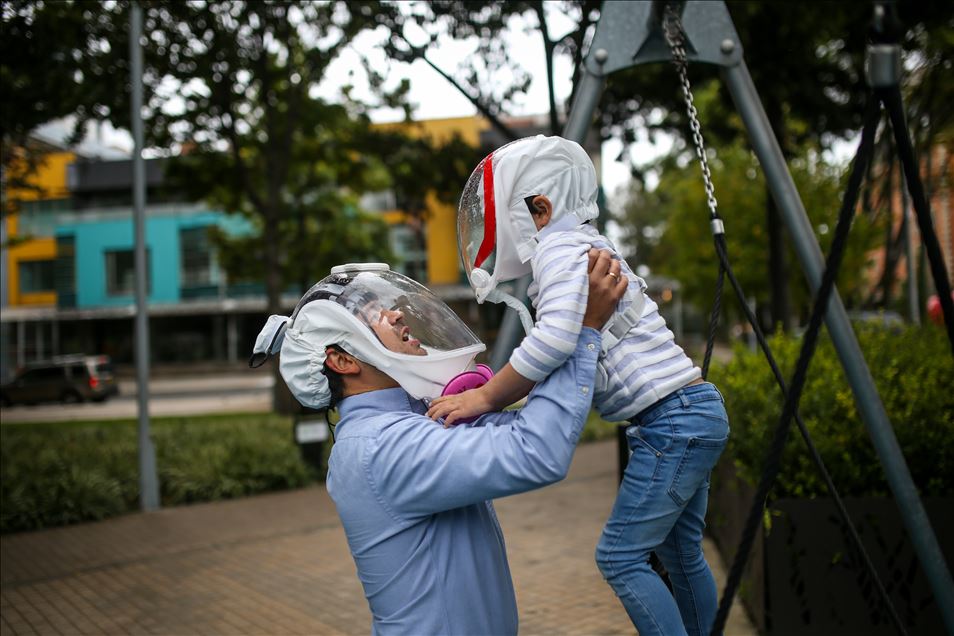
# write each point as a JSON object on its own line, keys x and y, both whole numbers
{"x": 891, "y": 98}
{"x": 792, "y": 394}
{"x": 717, "y": 302}
{"x": 675, "y": 38}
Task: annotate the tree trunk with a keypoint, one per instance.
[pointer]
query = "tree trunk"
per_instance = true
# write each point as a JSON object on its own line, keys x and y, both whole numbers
{"x": 548, "y": 49}
{"x": 282, "y": 400}
{"x": 780, "y": 304}
{"x": 890, "y": 254}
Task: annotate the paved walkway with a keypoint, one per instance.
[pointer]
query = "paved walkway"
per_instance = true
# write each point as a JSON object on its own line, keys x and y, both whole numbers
{"x": 279, "y": 564}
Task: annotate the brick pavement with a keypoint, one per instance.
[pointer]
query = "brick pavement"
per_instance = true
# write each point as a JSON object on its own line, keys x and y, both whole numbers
{"x": 279, "y": 564}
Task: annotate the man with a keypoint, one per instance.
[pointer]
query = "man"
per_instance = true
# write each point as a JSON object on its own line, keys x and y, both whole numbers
{"x": 414, "y": 496}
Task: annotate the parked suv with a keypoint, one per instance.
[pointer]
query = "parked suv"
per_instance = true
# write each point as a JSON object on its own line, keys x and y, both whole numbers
{"x": 65, "y": 379}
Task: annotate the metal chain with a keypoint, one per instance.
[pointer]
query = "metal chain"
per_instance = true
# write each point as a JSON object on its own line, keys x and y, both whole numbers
{"x": 672, "y": 27}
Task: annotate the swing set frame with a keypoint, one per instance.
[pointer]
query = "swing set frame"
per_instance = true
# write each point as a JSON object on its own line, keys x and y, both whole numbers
{"x": 631, "y": 33}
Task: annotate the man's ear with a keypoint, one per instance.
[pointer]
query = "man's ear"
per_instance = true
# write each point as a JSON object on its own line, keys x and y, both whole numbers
{"x": 543, "y": 210}
{"x": 341, "y": 362}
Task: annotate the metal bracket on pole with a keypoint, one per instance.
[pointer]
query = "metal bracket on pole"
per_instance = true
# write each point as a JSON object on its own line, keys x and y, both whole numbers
{"x": 883, "y": 65}
{"x": 631, "y": 34}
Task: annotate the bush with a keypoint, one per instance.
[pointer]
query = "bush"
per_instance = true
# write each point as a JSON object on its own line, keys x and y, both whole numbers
{"x": 913, "y": 371}
{"x": 596, "y": 428}
{"x": 57, "y": 474}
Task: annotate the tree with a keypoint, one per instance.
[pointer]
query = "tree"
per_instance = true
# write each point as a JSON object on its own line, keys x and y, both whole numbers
{"x": 669, "y": 230}
{"x": 231, "y": 94}
{"x": 238, "y": 81}
{"x": 808, "y": 68}
{"x": 492, "y": 79}
{"x": 50, "y": 57}
{"x": 927, "y": 93}
{"x": 807, "y": 65}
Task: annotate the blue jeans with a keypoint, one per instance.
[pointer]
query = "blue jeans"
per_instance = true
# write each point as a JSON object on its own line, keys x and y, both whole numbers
{"x": 661, "y": 507}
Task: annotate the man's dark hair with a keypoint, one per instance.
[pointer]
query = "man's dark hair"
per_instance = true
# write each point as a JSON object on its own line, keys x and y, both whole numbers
{"x": 335, "y": 381}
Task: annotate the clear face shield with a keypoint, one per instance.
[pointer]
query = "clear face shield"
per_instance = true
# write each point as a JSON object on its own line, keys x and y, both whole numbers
{"x": 382, "y": 318}
{"x": 485, "y": 239}
{"x": 405, "y": 317}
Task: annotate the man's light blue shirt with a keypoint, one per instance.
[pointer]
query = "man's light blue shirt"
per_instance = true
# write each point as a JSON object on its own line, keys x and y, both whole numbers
{"x": 414, "y": 497}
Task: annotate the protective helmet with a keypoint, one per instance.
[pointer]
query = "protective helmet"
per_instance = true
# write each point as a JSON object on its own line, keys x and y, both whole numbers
{"x": 380, "y": 317}
{"x": 496, "y": 234}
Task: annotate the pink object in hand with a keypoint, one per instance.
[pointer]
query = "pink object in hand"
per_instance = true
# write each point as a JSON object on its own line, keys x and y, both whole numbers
{"x": 465, "y": 382}
{"x": 468, "y": 380}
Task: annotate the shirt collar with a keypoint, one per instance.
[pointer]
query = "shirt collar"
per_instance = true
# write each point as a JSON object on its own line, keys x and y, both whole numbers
{"x": 382, "y": 400}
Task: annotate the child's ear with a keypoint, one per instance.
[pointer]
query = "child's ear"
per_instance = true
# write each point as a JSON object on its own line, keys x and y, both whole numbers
{"x": 543, "y": 210}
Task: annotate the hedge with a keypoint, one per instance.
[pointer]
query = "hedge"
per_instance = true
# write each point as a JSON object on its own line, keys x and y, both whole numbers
{"x": 914, "y": 373}
{"x": 56, "y": 474}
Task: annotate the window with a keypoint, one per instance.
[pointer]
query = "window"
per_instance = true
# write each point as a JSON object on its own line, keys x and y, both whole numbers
{"x": 198, "y": 261}
{"x": 36, "y": 276}
{"x": 121, "y": 272}
{"x": 39, "y": 218}
{"x": 411, "y": 254}
{"x": 41, "y": 375}
{"x": 382, "y": 201}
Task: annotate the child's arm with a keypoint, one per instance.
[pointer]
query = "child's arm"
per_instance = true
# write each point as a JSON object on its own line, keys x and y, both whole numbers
{"x": 560, "y": 268}
{"x": 606, "y": 287}
{"x": 505, "y": 388}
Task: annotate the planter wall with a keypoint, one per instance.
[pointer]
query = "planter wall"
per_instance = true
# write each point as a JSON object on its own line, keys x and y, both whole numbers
{"x": 729, "y": 501}
{"x": 805, "y": 576}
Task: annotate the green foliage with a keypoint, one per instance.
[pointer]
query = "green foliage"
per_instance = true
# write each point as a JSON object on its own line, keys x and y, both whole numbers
{"x": 596, "y": 428}
{"x": 52, "y": 57}
{"x": 57, "y": 474}
{"x": 232, "y": 90}
{"x": 54, "y": 61}
{"x": 912, "y": 369}
{"x": 670, "y": 229}
{"x": 63, "y": 473}
{"x": 808, "y": 69}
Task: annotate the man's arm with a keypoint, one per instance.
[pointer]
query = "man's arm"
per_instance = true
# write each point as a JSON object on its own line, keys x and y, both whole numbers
{"x": 420, "y": 468}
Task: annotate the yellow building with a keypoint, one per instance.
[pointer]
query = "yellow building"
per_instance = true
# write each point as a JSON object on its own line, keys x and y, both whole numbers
{"x": 31, "y": 245}
{"x": 438, "y": 264}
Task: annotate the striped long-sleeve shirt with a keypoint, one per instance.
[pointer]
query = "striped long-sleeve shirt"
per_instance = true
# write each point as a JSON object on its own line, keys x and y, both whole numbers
{"x": 643, "y": 367}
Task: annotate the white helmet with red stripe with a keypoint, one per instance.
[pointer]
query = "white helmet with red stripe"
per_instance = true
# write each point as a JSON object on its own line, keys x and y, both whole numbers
{"x": 496, "y": 234}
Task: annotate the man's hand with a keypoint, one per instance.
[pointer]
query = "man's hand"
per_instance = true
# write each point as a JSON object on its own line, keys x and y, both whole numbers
{"x": 607, "y": 286}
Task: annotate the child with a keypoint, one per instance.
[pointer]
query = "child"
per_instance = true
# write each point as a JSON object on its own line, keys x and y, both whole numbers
{"x": 526, "y": 209}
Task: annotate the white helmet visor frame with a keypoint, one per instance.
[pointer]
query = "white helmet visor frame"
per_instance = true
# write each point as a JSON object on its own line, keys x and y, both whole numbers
{"x": 383, "y": 319}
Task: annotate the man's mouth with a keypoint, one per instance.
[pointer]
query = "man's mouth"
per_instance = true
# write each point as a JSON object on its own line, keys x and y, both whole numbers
{"x": 406, "y": 334}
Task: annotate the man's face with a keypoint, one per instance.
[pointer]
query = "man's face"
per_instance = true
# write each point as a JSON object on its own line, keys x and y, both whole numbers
{"x": 388, "y": 325}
